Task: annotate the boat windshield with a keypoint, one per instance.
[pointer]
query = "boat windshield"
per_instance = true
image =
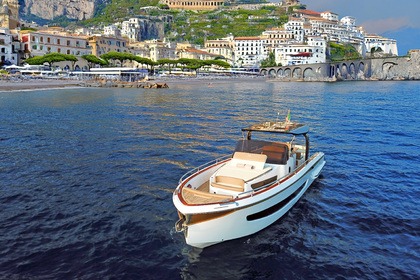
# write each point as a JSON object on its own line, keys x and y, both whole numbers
{"x": 277, "y": 153}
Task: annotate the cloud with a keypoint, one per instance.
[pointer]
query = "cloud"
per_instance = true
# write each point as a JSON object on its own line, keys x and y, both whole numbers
{"x": 379, "y": 26}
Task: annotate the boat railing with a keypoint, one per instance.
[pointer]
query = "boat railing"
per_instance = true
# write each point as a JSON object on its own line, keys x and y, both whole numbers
{"x": 203, "y": 166}
{"x": 253, "y": 191}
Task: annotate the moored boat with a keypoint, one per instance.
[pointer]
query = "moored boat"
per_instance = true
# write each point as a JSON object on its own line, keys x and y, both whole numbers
{"x": 244, "y": 192}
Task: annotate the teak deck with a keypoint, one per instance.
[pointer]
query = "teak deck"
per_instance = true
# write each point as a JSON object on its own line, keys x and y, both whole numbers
{"x": 202, "y": 196}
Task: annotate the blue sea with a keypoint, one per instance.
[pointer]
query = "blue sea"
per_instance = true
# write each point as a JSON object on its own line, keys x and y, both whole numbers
{"x": 87, "y": 175}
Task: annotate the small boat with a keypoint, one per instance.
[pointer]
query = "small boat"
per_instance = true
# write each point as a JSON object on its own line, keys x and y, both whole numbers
{"x": 244, "y": 192}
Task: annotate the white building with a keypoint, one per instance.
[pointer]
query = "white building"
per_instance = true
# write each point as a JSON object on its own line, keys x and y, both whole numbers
{"x": 112, "y": 30}
{"x": 8, "y": 51}
{"x": 131, "y": 29}
{"x": 296, "y": 26}
{"x": 348, "y": 22}
{"x": 329, "y": 16}
{"x": 295, "y": 54}
{"x": 249, "y": 51}
{"x": 378, "y": 43}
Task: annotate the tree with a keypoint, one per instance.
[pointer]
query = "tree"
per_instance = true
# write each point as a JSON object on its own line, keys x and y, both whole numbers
{"x": 50, "y": 59}
{"x": 167, "y": 61}
{"x": 93, "y": 60}
{"x": 270, "y": 61}
{"x": 73, "y": 59}
{"x": 118, "y": 56}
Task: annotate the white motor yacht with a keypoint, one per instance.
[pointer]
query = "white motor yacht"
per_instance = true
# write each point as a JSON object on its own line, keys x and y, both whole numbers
{"x": 246, "y": 191}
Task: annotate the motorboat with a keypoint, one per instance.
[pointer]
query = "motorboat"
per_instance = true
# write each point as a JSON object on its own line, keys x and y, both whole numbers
{"x": 246, "y": 191}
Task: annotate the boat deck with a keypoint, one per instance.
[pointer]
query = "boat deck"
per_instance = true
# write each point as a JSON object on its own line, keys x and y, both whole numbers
{"x": 201, "y": 195}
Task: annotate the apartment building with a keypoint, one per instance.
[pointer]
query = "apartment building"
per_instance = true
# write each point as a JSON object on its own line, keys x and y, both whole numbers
{"x": 41, "y": 42}
{"x": 249, "y": 51}
{"x": 101, "y": 44}
{"x": 223, "y": 47}
{"x": 9, "y": 47}
{"x": 297, "y": 53}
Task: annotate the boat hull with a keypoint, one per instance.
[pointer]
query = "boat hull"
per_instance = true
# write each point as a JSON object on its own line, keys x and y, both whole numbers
{"x": 248, "y": 215}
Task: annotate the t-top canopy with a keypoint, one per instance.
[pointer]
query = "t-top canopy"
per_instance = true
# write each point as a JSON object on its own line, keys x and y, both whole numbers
{"x": 285, "y": 127}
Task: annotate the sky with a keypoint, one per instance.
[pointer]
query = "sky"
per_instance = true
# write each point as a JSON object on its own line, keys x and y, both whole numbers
{"x": 376, "y": 16}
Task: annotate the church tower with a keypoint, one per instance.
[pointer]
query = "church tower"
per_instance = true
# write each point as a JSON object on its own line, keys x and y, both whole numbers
{"x": 9, "y": 14}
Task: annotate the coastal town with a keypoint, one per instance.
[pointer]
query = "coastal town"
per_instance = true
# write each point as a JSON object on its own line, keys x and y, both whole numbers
{"x": 303, "y": 39}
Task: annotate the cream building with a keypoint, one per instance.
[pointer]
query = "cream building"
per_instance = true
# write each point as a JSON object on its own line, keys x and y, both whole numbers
{"x": 100, "y": 44}
{"x": 47, "y": 41}
{"x": 223, "y": 47}
{"x": 199, "y": 5}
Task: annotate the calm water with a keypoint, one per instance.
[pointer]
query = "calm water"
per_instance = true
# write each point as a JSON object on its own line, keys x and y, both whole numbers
{"x": 86, "y": 179}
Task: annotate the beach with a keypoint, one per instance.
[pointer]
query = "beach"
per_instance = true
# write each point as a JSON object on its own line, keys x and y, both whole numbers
{"x": 34, "y": 84}
{"x": 17, "y": 84}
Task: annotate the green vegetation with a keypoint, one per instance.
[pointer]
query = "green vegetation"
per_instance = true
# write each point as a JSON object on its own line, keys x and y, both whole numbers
{"x": 194, "y": 26}
{"x": 184, "y": 63}
{"x": 51, "y": 58}
{"x": 339, "y": 52}
{"x": 269, "y": 61}
{"x": 220, "y": 23}
{"x": 118, "y": 10}
{"x": 121, "y": 57}
{"x": 94, "y": 60}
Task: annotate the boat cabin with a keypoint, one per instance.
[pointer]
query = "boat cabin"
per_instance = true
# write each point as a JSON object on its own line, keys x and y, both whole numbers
{"x": 254, "y": 164}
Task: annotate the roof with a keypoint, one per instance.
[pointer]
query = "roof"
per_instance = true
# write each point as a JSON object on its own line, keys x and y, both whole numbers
{"x": 246, "y": 38}
{"x": 285, "y": 127}
{"x": 309, "y": 13}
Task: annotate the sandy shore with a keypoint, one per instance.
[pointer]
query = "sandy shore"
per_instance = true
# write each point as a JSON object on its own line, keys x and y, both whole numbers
{"x": 34, "y": 84}
{"x": 37, "y": 84}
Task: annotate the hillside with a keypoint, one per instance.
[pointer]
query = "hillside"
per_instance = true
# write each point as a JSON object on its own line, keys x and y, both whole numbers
{"x": 191, "y": 26}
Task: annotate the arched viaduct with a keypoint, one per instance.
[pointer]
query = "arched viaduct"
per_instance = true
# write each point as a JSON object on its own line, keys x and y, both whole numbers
{"x": 344, "y": 70}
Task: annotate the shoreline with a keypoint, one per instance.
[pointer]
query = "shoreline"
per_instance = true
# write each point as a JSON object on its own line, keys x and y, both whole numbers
{"x": 37, "y": 84}
{"x": 40, "y": 84}
{"x": 46, "y": 84}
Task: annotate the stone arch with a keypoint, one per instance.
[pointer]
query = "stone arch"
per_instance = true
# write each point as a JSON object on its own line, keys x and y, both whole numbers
{"x": 344, "y": 71}
{"x": 263, "y": 71}
{"x": 361, "y": 73}
{"x": 362, "y": 66}
{"x": 337, "y": 71}
{"x": 287, "y": 73}
{"x": 297, "y": 73}
{"x": 272, "y": 72}
{"x": 352, "y": 71}
{"x": 387, "y": 70}
{"x": 332, "y": 71}
{"x": 308, "y": 73}
{"x": 280, "y": 72}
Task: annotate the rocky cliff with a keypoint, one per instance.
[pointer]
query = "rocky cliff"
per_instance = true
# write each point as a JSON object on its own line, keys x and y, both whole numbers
{"x": 399, "y": 68}
{"x": 72, "y": 9}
